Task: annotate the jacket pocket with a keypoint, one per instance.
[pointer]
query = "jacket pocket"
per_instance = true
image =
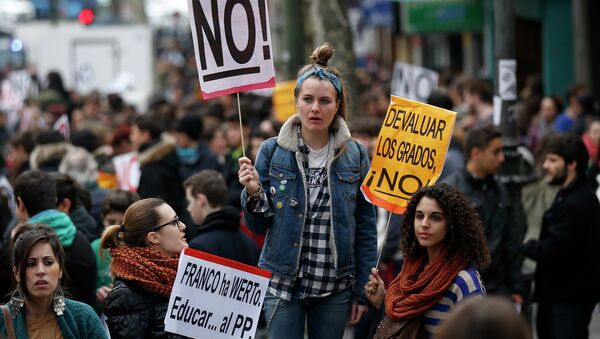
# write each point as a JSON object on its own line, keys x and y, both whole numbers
{"x": 350, "y": 181}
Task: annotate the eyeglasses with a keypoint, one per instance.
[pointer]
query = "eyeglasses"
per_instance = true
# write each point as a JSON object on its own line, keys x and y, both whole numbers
{"x": 175, "y": 222}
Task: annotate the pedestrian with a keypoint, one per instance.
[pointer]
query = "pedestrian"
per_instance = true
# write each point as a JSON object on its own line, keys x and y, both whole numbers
{"x": 38, "y": 308}
{"x": 36, "y": 195}
{"x": 145, "y": 250}
{"x": 113, "y": 209}
{"x": 567, "y": 277}
{"x": 500, "y": 217}
{"x": 305, "y": 190}
{"x": 443, "y": 245}
{"x": 218, "y": 230}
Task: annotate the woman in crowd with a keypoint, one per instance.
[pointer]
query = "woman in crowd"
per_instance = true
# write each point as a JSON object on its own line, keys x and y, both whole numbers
{"x": 145, "y": 252}
{"x": 443, "y": 245}
{"x": 305, "y": 190}
{"x": 38, "y": 309}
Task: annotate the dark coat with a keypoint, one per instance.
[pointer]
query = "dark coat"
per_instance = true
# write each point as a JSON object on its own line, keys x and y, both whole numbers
{"x": 160, "y": 177}
{"x": 85, "y": 223}
{"x": 504, "y": 230}
{"x": 80, "y": 266}
{"x": 220, "y": 235}
{"x": 133, "y": 312}
{"x": 568, "y": 251}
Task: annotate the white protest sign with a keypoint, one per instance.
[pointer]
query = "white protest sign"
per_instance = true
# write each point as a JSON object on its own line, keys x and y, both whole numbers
{"x": 127, "y": 169}
{"x": 214, "y": 297}
{"x": 413, "y": 82}
{"x": 232, "y": 41}
{"x": 15, "y": 89}
{"x": 507, "y": 79}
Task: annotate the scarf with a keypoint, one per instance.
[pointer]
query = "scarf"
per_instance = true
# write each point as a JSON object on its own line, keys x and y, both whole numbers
{"x": 418, "y": 287}
{"x": 146, "y": 266}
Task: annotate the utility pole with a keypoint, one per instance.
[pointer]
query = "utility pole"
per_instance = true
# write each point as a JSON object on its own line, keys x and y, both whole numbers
{"x": 581, "y": 43}
{"x": 506, "y": 82}
{"x": 512, "y": 174}
{"x": 293, "y": 38}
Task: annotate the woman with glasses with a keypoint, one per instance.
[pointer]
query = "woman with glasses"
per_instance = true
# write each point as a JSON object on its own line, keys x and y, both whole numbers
{"x": 145, "y": 250}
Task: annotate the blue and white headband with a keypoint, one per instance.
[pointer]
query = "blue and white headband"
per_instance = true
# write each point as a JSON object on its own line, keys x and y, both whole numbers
{"x": 323, "y": 75}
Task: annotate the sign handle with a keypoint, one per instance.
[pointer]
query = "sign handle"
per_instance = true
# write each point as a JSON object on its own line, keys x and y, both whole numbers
{"x": 385, "y": 233}
{"x": 241, "y": 127}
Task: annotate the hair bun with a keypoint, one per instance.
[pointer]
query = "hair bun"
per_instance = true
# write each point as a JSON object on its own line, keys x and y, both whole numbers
{"x": 322, "y": 54}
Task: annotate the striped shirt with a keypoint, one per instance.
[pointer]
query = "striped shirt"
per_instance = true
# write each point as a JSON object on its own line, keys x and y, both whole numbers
{"x": 466, "y": 284}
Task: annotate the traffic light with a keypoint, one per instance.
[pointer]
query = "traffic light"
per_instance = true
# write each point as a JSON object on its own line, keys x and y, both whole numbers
{"x": 86, "y": 16}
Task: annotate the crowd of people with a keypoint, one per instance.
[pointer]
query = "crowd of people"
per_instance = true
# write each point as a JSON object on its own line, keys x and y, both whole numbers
{"x": 90, "y": 243}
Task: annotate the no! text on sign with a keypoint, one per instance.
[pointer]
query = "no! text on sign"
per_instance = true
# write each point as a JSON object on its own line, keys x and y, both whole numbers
{"x": 232, "y": 41}
{"x": 410, "y": 153}
{"x": 214, "y": 297}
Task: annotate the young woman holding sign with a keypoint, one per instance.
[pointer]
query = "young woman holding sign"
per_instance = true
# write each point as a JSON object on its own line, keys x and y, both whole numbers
{"x": 145, "y": 250}
{"x": 305, "y": 193}
{"x": 443, "y": 244}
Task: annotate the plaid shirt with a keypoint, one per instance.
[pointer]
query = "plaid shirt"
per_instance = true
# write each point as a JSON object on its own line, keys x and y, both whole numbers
{"x": 316, "y": 272}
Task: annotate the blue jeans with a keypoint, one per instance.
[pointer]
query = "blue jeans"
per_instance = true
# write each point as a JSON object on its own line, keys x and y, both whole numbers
{"x": 325, "y": 317}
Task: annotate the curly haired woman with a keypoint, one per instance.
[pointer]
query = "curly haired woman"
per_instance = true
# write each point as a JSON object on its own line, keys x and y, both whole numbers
{"x": 443, "y": 245}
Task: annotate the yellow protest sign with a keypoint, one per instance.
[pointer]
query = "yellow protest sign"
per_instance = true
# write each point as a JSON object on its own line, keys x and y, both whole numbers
{"x": 283, "y": 100}
{"x": 410, "y": 153}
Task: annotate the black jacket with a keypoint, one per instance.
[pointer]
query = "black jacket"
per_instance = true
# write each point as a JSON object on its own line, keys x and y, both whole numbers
{"x": 568, "y": 251}
{"x": 160, "y": 177}
{"x": 85, "y": 223}
{"x": 132, "y": 312}
{"x": 80, "y": 266}
{"x": 504, "y": 230}
{"x": 220, "y": 235}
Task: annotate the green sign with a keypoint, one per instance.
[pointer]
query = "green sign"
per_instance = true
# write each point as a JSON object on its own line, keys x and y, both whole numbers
{"x": 429, "y": 16}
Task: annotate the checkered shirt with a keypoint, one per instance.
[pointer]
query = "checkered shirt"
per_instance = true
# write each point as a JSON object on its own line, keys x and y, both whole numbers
{"x": 316, "y": 272}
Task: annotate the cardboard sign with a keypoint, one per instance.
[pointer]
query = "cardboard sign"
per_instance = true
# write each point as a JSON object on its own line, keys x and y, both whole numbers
{"x": 410, "y": 153}
{"x": 284, "y": 101}
{"x": 127, "y": 168}
{"x": 413, "y": 82}
{"x": 232, "y": 41}
{"x": 214, "y": 297}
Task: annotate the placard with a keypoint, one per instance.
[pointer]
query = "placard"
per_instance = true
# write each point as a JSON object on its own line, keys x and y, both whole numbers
{"x": 214, "y": 297}
{"x": 410, "y": 153}
{"x": 413, "y": 82}
{"x": 232, "y": 41}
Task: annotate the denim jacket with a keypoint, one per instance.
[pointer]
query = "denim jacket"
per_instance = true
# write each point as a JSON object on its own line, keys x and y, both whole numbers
{"x": 353, "y": 218}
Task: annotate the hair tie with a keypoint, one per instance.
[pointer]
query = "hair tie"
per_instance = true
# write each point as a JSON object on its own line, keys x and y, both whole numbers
{"x": 322, "y": 74}
{"x": 321, "y": 63}
{"x": 122, "y": 228}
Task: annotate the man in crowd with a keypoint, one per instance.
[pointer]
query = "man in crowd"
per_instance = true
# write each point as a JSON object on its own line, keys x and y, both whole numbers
{"x": 219, "y": 225}
{"x": 567, "y": 278}
{"x": 503, "y": 229}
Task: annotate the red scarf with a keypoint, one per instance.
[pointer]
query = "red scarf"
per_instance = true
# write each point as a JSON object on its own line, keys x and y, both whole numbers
{"x": 146, "y": 266}
{"x": 418, "y": 287}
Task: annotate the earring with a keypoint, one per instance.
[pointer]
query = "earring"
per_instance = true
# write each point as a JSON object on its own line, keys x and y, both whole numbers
{"x": 58, "y": 304}
{"x": 16, "y": 301}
